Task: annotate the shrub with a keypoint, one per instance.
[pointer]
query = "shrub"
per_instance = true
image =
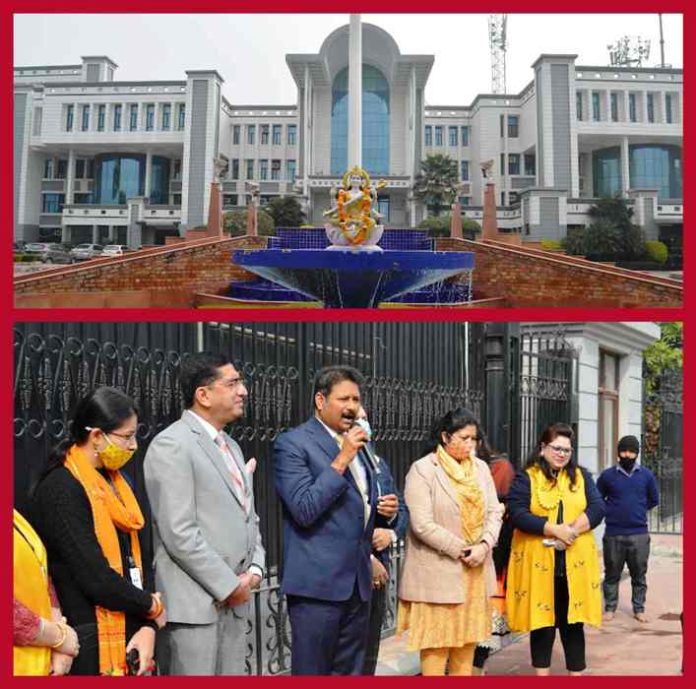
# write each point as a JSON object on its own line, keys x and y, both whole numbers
{"x": 657, "y": 251}
{"x": 235, "y": 223}
{"x": 551, "y": 244}
{"x": 440, "y": 226}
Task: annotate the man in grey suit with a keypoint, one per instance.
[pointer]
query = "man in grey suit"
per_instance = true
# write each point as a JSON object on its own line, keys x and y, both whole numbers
{"x": 208, "y": 551}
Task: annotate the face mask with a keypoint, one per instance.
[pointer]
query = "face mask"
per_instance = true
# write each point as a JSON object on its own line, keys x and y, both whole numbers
{"x": 459, "y": 452}
{"x": 627, "y": 463}
{"x": 365, "y": 425}
{"x": 114, "y": 457}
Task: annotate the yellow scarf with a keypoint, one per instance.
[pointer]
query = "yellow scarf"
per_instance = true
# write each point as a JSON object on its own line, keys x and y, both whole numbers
{"x": 30, "y": 586}
{"x": 112, "y": 508}
{"x": 464, "y": 480}
{"x": 530, "y": 582}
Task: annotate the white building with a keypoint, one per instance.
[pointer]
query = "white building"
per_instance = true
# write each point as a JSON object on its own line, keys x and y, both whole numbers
{"x": 99, "y": 159}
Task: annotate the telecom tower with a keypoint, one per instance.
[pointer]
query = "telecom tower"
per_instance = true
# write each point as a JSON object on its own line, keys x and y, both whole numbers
{"x": 497, "y": 38}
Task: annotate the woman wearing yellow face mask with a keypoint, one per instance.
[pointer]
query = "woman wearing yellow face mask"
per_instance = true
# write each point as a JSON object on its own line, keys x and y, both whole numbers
{"x": 89, "y": 519}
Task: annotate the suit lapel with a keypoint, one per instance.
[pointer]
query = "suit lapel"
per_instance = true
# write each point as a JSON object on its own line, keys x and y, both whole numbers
{"x": 212, "y": 452}
{"x": 445, "y": 482}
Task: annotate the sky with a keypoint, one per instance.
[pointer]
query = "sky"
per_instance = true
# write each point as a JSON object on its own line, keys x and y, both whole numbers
{"x": 249, "y": 50}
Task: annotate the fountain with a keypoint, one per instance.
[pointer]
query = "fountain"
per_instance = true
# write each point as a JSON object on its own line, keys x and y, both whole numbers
{"x": 351, "y": 269}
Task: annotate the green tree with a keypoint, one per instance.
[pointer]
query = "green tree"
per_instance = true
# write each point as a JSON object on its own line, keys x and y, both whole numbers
{"x": 664, "y": 355}
{"x": 617, "y": 212}
{"x": 235, "y": 223}
{"x": 286, "y": 211}
{"x": 437, "y": 184}
{"x": 439, "y": 226}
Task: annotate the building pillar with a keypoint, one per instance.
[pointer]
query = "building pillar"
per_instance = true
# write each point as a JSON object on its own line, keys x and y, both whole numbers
{"x": 355, "y": 92}
{"x": 607, "y": 106}
{"x": 70, "y": 179}
{"x": 148, "y": 174}
{"x": 95, "y": 234}
{"x": 625, "y": 168}
{"x": 490, "y": 220}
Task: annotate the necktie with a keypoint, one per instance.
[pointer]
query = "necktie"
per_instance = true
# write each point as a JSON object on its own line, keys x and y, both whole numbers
{"x": 236, "y": 474}
{"x": 359, "y": 481}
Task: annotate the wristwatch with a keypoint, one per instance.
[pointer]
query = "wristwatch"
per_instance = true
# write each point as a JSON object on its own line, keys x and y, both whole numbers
{"x": 394, "y": 538}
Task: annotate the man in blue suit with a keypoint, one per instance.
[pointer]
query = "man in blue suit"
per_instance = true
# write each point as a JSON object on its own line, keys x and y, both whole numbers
{"x": 329, "y": 494}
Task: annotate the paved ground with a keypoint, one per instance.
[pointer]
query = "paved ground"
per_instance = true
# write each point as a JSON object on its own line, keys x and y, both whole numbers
{"x": 621, "y": 647}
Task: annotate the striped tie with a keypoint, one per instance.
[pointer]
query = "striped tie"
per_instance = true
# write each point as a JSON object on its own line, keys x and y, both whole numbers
{"x": 236, "y": 474}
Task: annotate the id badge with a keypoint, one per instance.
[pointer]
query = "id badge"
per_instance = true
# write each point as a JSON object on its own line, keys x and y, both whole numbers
{"x": 135, "y": 577}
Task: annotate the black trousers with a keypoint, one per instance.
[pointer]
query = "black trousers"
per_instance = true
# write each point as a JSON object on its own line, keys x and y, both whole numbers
{"x": 572, "y": 635}
{"x": 625, "y": 550}
{"x": 374, "y": 629}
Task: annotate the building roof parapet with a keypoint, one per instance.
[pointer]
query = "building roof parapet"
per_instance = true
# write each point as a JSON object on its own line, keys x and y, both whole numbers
{"x": 87, "y": 58}
{"x": 204, "y": 72}
{"x": 628, "y": 70}
{"x": 547, "y": 57}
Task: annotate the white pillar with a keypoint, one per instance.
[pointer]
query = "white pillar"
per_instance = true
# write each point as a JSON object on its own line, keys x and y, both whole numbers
{"x": 70, "y": 179}
{"x": 625, "y": 171}
{"x": 148, "y": 174}
{"x": 644, "y": 96}
{"x": 355, "y": 93}
{"x": 306, "y": 133}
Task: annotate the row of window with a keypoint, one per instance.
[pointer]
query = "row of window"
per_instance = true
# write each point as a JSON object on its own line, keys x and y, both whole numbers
{"x": 267, "y": 134}
{"x": 263, "y": 169}
{"x": 514, "y": 162}
{"x": 455, "y": 134}
{"x": 615, "y": 108}
{"x": 140, "y": 116}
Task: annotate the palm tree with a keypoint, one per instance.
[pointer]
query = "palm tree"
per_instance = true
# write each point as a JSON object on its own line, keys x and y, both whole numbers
{"x": 437, "y": 185}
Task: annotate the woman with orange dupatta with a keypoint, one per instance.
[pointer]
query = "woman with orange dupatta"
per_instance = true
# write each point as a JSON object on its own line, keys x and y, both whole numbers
{"x": 88, "y": 518}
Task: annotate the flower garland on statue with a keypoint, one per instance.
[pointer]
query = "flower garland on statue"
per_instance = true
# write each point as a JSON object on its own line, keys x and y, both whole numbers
{"x": 366, "y": 221}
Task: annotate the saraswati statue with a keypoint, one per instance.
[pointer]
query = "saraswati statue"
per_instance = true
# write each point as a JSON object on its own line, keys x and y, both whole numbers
{"x": 353, "y": 221}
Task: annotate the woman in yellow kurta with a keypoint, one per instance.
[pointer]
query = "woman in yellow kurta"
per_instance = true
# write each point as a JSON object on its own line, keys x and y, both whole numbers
{"x": 448, "y": 575}
{"x": 553, "y": 576}
{"x": 43, "y": 644}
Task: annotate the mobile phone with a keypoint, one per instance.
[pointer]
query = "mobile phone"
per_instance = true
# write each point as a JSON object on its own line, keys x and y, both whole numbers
{"x": 133, "y": 661}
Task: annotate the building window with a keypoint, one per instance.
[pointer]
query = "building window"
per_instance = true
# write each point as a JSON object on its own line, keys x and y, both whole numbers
{"x": 464, "y": 170}
{"x": 62, "y": 170}
{"x": 453, "y": 138}
{"x": 69, "y": 116}
{"x": 251, "y": 134}
{"x": 669, "y": 115}
{"x": 632, "y": 107}
{"x": 166, "y": 117}
{"x": 651, "y": 107}
{"x": 292, "y": 134}
{"x": 465, "y": 200}
{"x": 177, "y": 169}
{"x": 101, "y": 118}
{"x": 275, "y": 169}
{"x": 133, "y": 123}
{"x": 53, "y": 203}
{"x": 250, "y": 168}
{"x": 48, "y": 168}
{"x": 230, "y": 200}
{"x": 529, "y": 164}
{"x": 149, "y": 117}
{"x": 235, "y": 168}
{"x": 84, "y": 125}
{"x": 263, "y": 169}
{"x": 578, "y": 105}
{"x": 264, "y": 134}
{"x": 608, "y": 407}
{"x": 465, "y": 136}
{"x": 513, "y": 126}
{"x": 384, "y": 207}
{"x": 181, "y": 123}
{"x": 121, "y": 176}
{"x": 438, "y": 136}
{"x": 291, "y": 167}
{"x": 277, "y": 129}
{"x": 428, "y": 135}
{"x": 614, "y": 107}
{"x": 502, "y": 126}
{"x": 79, "y": 168}
{"x": 117, "y": 117}
{"x": 595, "y": 106}
{"x": 236, "y": 134}
{"x": 514, "y": 198}
{"x": 375, "y": 122}
{"x": 514, "y": 164}
{"x": 502, "y": 163}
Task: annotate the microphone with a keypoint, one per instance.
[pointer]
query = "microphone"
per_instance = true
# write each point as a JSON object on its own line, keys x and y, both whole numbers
{"x": 369, "y": 454}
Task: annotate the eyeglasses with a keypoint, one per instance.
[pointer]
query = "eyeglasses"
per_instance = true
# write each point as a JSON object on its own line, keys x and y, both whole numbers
{"x": 561, "y": 450}
{"x": 128, "y": 437}
{"x": 233, "y": 383}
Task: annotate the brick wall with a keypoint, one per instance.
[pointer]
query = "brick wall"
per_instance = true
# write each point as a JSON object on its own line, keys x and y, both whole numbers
{"x": 535, "y": 278}
{"x": 168, "y": 276}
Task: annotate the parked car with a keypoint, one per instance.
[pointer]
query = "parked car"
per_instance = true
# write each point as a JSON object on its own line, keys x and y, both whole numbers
{"x": 36, "y": 247}
{"x": 116, "y": 250}
{"x": 18, "y": 247}
{"x": 57, "y": 253}
{"x": 83, "y": 252}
